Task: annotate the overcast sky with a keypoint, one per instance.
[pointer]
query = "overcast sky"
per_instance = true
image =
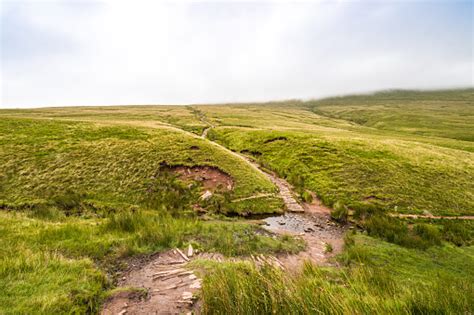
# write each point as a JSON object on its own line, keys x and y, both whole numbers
{"x": 58, "y": 53}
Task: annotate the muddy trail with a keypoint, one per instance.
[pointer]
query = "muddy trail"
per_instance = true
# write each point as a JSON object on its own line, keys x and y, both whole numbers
{"x": 167, "y": 284}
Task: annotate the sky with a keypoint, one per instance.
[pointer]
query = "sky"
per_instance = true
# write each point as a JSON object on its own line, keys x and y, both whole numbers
{"x": 61, "y": 53}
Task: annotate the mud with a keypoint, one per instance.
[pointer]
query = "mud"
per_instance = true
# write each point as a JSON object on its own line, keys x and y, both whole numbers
{"x": 211, "y": 178}
{"x": 316, "y": 229}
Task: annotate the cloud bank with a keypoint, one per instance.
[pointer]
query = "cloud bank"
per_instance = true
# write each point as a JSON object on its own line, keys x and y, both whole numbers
{"x": 61, "y": 53}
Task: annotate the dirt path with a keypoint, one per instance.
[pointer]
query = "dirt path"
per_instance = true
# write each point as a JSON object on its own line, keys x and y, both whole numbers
{"x": 169, "y": 286}
{"x": 436, "y": 217}
{"x": 256, "y": 196}
{"x": 311, "y": 221}
{"x": 204, "y": 132}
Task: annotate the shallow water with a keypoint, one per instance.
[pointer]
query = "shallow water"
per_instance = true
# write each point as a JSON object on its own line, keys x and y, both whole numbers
{"x": 291, "y": 222}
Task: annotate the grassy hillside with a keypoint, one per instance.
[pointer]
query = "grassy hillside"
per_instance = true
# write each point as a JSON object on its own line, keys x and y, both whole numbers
{"x": 77, "y": 197}
{"x": 100, "y": 165}
{"x": 366, "y": 168}
{"x": 84, "y": 188}
{"x": 447, "y": 114}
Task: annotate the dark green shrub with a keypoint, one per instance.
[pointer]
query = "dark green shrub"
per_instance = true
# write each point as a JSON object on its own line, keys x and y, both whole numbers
{"x": 363, "y": 210}
{"x": 387, "y": 228}
{"x": 217, "y": 203}
{"x": 166, "y": 192}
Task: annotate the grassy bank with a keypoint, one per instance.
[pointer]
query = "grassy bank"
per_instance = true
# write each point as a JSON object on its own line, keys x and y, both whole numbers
{"x": 79, "y": 197}
{"x": 59, "y": 265}
{"x": 378, "y": 278}
{"x": 43, "y": 160}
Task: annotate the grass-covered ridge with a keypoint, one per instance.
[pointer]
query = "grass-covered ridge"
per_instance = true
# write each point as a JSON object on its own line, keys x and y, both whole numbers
{"x": 364, "y": 172}
{"x": 447, "y": 114}
{"x": 79, "y": 196}
{"x": 42, "y": 160}
{"x": 378, "y": 165}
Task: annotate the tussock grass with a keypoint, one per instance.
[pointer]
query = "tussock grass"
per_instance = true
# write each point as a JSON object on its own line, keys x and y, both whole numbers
{"x": 44, "y": 161}
{"x": 51, "y": 267}
{"x": 76, "y": 197}
{"x": 368, "y": 285}
{"x": 364, "y": 172}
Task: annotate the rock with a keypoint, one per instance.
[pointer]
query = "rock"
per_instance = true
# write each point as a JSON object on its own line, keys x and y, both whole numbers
{"x": 195, "y": 285}
{"x": 281, "y": 223}
{"x": 308, "y": 229}
{"x": 190, "y": 250}
{"x": 427, "y": 213}
{"x": 206, "y": 195}
{"x": 187, "y": 295}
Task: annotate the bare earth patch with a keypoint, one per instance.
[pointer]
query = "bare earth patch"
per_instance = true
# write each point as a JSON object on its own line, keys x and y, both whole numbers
{"x": 211, "y": 178}
{"x": 169, "y": 287}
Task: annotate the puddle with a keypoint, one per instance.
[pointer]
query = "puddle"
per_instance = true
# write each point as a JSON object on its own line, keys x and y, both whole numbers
{"x": 308, "y": 224}
{"x": 291, "y": 222}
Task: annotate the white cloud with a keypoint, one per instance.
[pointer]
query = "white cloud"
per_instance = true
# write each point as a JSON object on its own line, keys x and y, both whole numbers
{"x": 123, "y": 52}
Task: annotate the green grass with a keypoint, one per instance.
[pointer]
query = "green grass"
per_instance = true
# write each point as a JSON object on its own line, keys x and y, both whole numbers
{"x": 379, "y": 278}
{"x": 82, "y": 188}
{"x": 364, "y": 171}
{"x": 42, "y": 160}
{"x": 363, "y": 166}
{"x": 53, "y": 266}
{"x": 80, "y": 196}
{"x": 447, "y": 114}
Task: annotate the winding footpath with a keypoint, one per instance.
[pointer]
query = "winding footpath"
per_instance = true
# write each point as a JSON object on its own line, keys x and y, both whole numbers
{"x": 164, "y": 283}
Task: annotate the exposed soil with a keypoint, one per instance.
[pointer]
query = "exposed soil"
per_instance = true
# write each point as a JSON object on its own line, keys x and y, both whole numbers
{"x": 204, "y": 132}
{"x": 276, "y": 139}
{"x": 168, "y": 284}
{"x": 211, "y": 178}
{"x": 316, "y": 207}
{"x": 311, "y": 221}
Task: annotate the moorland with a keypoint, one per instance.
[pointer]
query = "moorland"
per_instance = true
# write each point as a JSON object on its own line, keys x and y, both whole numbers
{"x": 89, "y": 195}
